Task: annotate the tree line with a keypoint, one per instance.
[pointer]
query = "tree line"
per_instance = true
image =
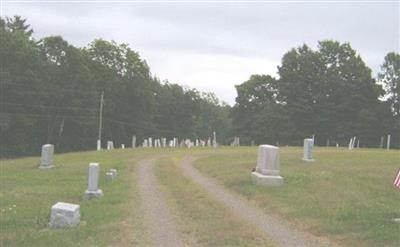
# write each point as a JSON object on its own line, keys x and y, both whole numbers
{"x": 328, "y": 93}
{"x": 50, "y": 93}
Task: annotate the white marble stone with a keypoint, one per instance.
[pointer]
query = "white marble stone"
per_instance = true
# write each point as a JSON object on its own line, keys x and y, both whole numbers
{"x": 114, "y": 172}
{"x": 133, "y": 141}
{"x": 150, "y": 142}
{"x": 64, "y": 215}
{"x": 123, "y": 146}
{"x": 46, "y": 160}
{"x": 110, "y": 145}
{"x": 109, "y": 176}
{"x": 267, "y": 170}
{"x": 307, "y": 150}
{"x": 214, "y": 140}
{"x": 93, "y": 190}
{"x": 164, "y": 142}
{"x": 98, "y": 145}
{"x": 388, "y": 142}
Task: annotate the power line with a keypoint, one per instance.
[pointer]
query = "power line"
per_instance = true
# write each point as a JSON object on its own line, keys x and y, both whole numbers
{"x": 46, "y": 115}
{"x": 49, "y": 107}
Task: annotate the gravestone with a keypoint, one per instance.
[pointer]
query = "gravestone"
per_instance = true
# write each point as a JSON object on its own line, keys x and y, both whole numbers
{"x": 93, "y": 190}
{"x": 64, "y": 215}
{"x": 164, "y": 142}
{"x": 114, "y": 172}
{"x": 388, "y": 142}
{"x": 150, "y": 142}
{"x": 307, "y": 150}
{"x": 145, "y": 144}
{"x": 109, "y": 176}
{"x": 123, "y": 146}
{"x": 267, "y": 170}
{"x": 209, "y": 142}
{"x": 110, "y": 145}
{"x": 98, "y": 145}
{"x": 214, "y": 140}
{"x": 46, "y": 160}
{"x": 133, "y": 141}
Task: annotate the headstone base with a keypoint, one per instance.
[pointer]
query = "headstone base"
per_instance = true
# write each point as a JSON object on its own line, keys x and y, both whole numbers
{"x": 64, "y": 215}
{"x": 307, "y": 160}
{"x": 46, "y": 166}
{"x": 89, "y": 194}
{"x": 266, "y": 180}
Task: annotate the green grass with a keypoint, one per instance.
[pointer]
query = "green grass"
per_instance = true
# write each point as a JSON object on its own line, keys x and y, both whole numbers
{"x": 345, "y": 195}
{"x": 204, "y": 221}
{"x": 27, "y": 194}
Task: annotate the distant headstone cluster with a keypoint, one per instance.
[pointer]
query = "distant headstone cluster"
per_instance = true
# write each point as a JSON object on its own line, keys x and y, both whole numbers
{"x": 65, "y": 215}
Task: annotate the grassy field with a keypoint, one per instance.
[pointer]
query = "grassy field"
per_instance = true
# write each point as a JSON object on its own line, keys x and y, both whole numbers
{"x": 27, "y": 194}
{"x": 346, "y": 195}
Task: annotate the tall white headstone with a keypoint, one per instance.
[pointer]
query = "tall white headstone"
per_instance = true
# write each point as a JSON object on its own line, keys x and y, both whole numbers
{"x": 133, "y": 141}
{"x": 150, "y": 142}
{"x": 214, "y": 139}
{"x": 93, "y": 190}
{"x": 46, "y": 160}
{"x": 388, "y": 142}
{"x": 267, "y": 170}
{"x": 98, "y": 145}
{"x": 307, "y": 150}
{"x": 123, "y": 146}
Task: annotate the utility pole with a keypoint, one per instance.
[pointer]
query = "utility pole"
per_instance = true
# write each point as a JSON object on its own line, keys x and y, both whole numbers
{"x": 100, "y": 121}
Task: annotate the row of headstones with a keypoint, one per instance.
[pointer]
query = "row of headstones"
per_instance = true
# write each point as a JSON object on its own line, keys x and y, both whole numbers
{"x": 162, "y": 142}
{"x": 67, "y": 214}
{"x": 352, "y": 142}
{"x": 268, "y": 165}
{"x": 174, "y": 143}
{"x": 236, "y": 142}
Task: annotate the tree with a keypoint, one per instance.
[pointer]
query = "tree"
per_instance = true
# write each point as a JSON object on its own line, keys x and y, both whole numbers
{"x": 390, "y": 77}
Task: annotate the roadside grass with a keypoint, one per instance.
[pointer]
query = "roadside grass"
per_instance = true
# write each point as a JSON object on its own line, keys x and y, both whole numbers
{"x": 27, "y": 194}
{"x": 203, "y": 221}
{"x": 345, "y": 195}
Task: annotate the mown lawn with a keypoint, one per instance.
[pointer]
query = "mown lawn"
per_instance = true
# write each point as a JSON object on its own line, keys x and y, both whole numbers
{"x": 345, "y": 195}
{"x": 27, "y": 194}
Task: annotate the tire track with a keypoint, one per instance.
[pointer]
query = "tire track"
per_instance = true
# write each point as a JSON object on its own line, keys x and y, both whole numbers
{"x": 271, "y": 225}
{"x": 161, "y": 223}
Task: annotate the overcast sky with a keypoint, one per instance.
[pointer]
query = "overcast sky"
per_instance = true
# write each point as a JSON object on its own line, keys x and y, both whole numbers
{"x": 214, "y": 46}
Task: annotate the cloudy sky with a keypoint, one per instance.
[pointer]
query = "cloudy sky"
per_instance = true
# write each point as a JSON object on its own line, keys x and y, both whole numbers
{"x": 215, "y": 45}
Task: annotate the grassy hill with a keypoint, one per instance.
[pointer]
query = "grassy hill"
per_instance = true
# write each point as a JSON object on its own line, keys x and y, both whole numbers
{"x": 344, "y": 195}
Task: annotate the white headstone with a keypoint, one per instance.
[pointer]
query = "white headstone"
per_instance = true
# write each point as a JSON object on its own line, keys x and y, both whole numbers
{"x": 123, "y": 146}
{"x": 307, "y": 150}
{"x": 388, "y": 142}
{"x": 133, "y": 141}
{"x": 351, "y": 144}
{"x": 267, "y": 170}
{"x": 164, "y": 142}
{"x": 109, "y": 176}
{"x": 214, "y": 139}
{"x": 150, "y": 142}
{"x": 64, "y": 215}
{"x": 93, "y": 190}
{"x": 46, "y": 160}
{"x": 98, "y": 145}
{"x": 114, "y": 172}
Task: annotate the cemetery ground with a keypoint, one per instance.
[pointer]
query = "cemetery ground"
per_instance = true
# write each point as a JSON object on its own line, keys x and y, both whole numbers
{"x": 344, "y": 196}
